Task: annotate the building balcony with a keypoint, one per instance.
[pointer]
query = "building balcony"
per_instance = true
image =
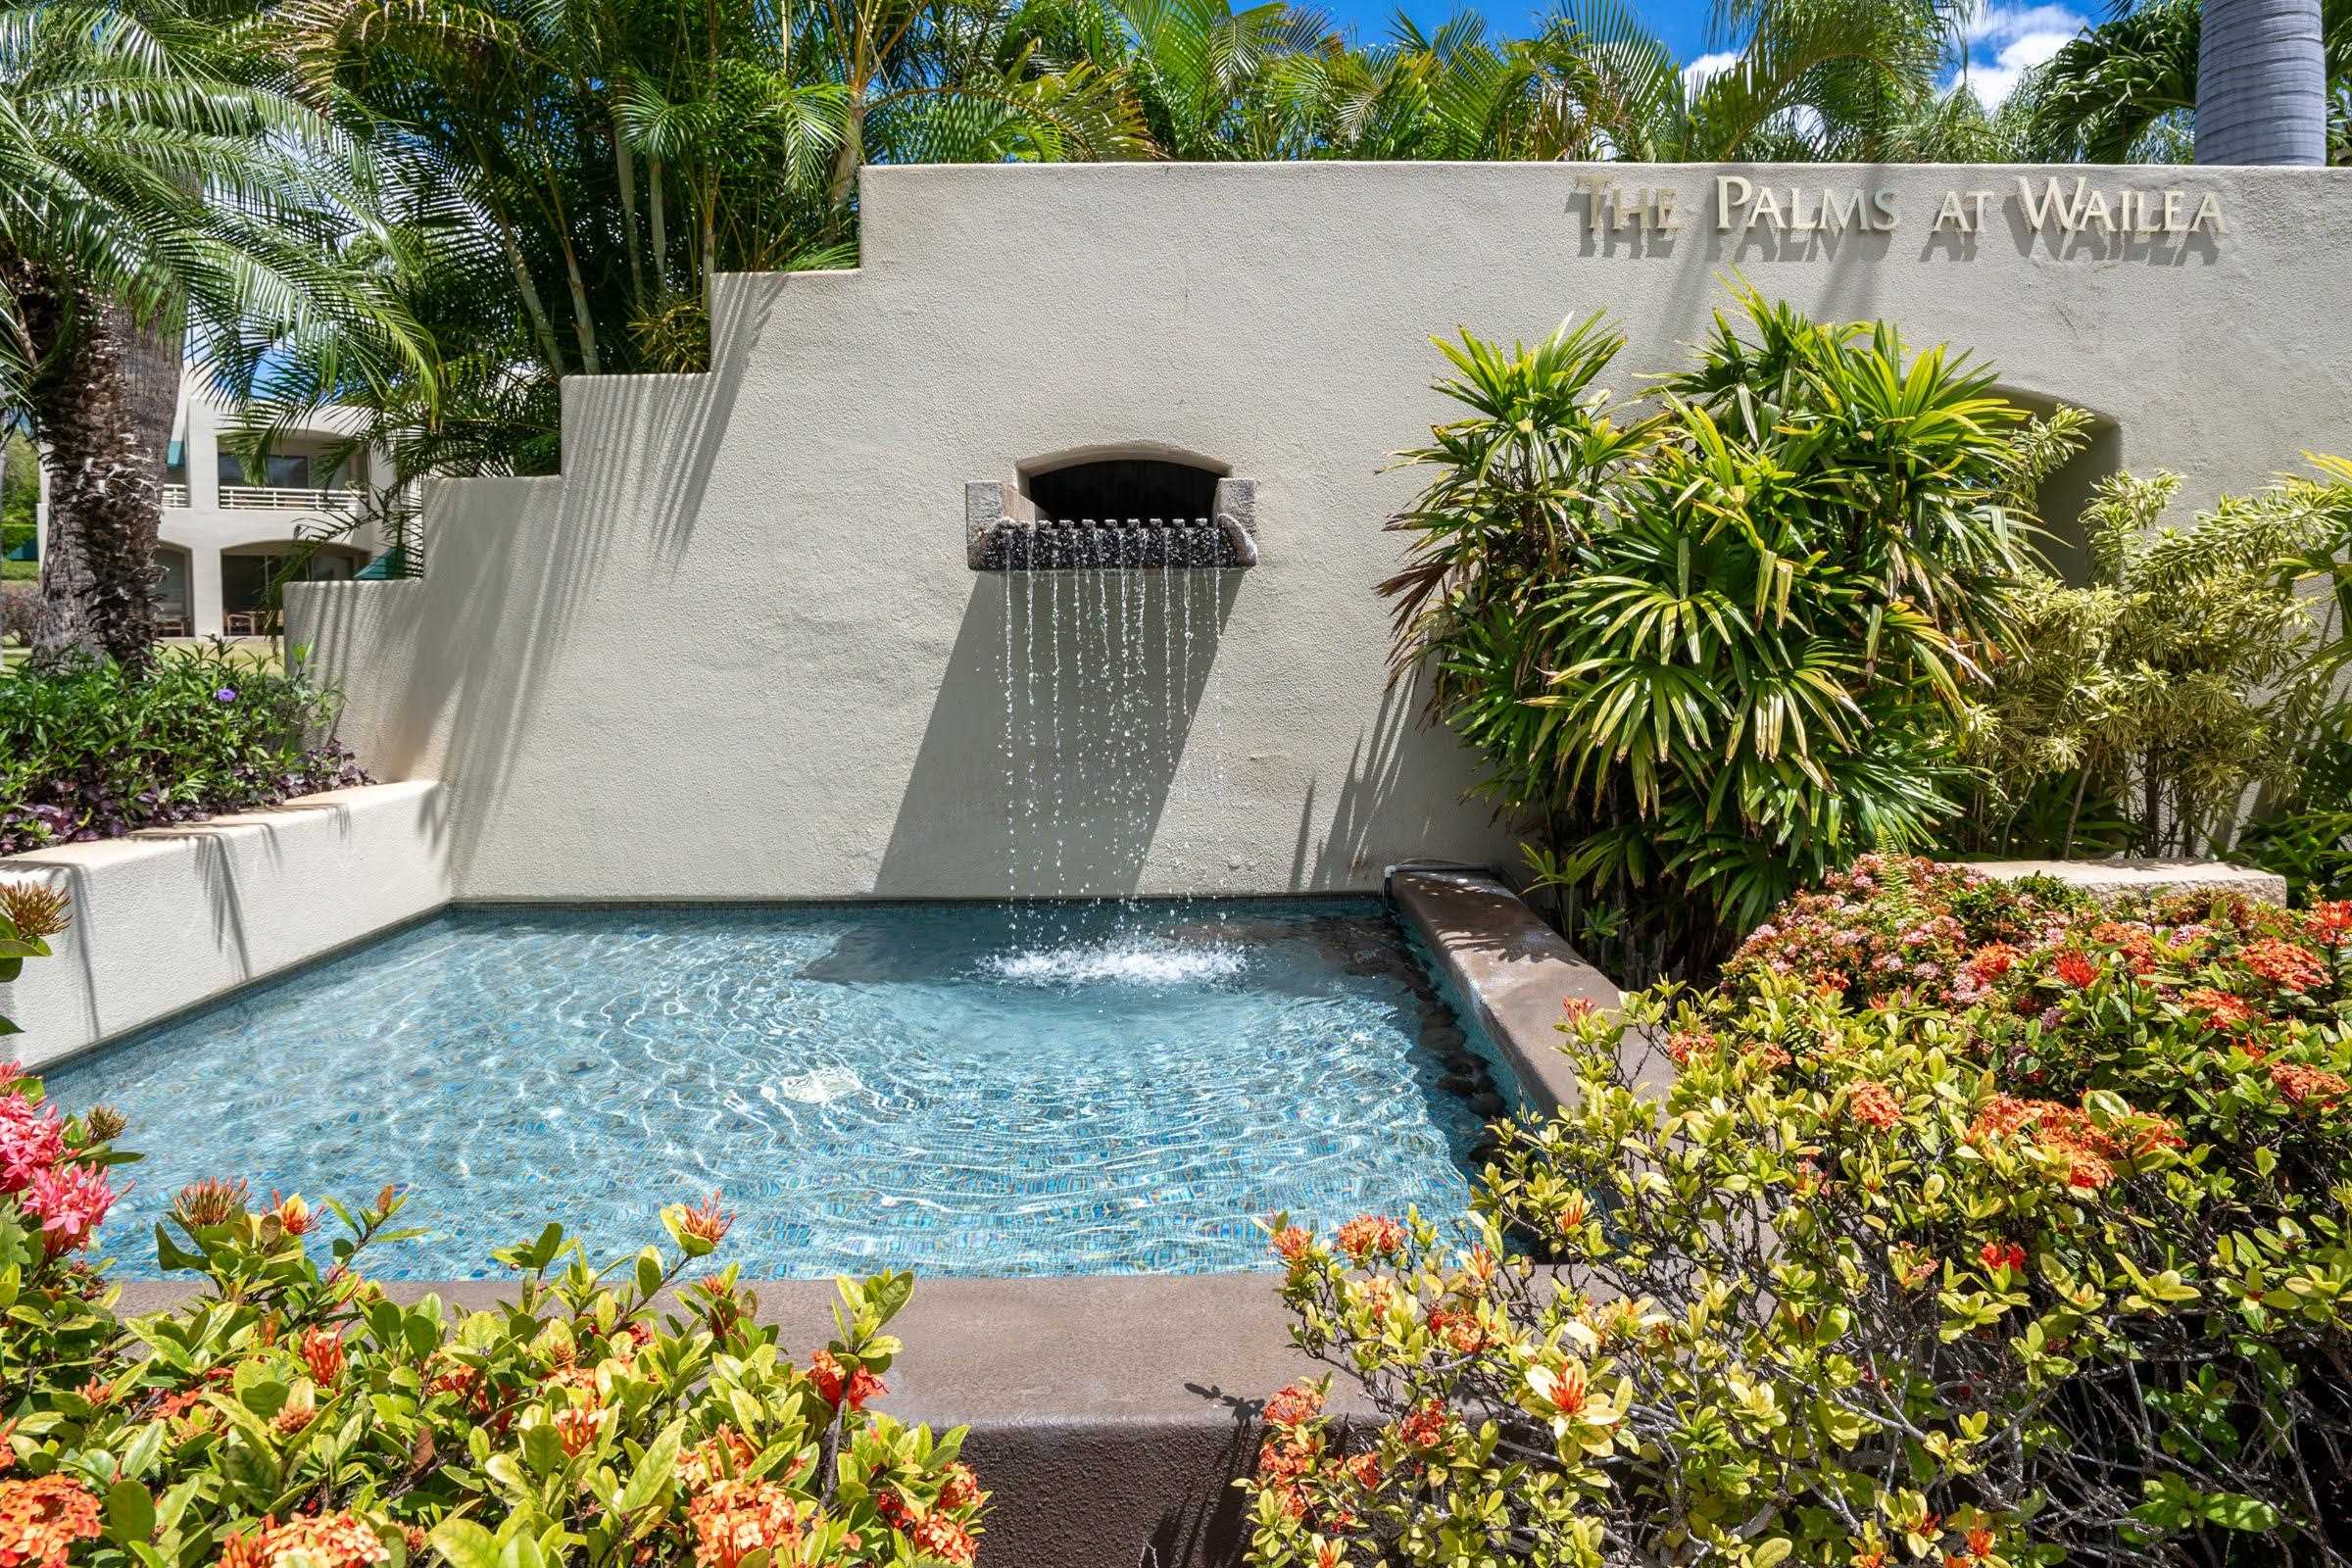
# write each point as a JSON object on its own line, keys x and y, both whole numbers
{"x": 270, "y": 498}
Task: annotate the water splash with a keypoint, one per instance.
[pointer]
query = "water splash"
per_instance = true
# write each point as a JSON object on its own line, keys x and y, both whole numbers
{"x": 1127, "y": 960}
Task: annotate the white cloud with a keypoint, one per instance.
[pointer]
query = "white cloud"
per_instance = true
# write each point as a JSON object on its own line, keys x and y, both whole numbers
{"x": 1697, "y": 73}
{"x": 2005, "y": 41}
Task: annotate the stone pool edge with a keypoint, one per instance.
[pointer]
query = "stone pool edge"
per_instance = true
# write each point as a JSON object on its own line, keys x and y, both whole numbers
{"x": 1511, "y": 968}
{"x": 169, "y": 919}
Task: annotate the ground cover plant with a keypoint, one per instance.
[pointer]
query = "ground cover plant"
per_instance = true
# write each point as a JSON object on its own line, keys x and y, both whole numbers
{"x": 296, "y": 1417}
{"x": 92, "y": 750}
{"x": 1980, "y": 1225}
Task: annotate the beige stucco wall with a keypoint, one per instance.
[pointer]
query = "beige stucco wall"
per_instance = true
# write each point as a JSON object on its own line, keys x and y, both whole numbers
{"x": 736, "y": 652}
{"x": 171, "y": 917}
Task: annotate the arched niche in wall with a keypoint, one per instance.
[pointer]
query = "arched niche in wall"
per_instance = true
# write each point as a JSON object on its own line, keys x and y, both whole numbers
{"x": 1141, "y": 480}
{"x": 2065, "y": 493}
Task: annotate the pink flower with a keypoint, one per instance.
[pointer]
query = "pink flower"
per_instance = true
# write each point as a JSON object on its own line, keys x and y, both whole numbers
{"x": 32, "y": 1140}
{"x": 71, "y": 1202}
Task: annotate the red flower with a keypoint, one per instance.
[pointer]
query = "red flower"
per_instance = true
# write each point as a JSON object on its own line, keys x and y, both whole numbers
{"x": 826, "y": 1373}
{"x": 32, "y": 1140}
{"x": 1576, "y": 1010}
{"x": 2075, "y": 969}
{"x": 706, "y": 1221}
{"x": 1872, "y": 1105}
{"x": 292, "y": 1214}
{"x": 1369, "y": 1236}
{"x": 2003, "y": 1254}
{"x": 1990, "y": 963}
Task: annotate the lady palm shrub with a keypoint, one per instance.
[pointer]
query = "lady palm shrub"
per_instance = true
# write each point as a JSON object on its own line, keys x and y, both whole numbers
{"x": 294, "y": 1416}
{"x": 91, "y": 750}
{"x": 1978, "y": 1227}
{"x": 1715, "y": 652}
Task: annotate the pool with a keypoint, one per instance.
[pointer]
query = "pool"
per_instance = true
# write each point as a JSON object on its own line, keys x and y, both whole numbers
{"x": 1010, "y": 1090}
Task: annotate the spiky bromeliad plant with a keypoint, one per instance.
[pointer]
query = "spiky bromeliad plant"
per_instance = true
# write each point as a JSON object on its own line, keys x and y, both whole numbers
{"x": 1714, "y": 652}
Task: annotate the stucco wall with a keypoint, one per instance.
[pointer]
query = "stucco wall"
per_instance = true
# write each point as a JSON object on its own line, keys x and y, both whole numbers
{"x": 736, "y": 652}
{"x": 171, "y": 917}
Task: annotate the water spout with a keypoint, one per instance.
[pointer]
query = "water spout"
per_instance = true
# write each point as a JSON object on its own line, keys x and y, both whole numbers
{"x": 1004, "y": 533}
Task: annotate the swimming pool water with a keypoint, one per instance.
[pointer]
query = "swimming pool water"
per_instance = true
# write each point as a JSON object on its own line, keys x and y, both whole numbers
{"x": 969, "y": 1090}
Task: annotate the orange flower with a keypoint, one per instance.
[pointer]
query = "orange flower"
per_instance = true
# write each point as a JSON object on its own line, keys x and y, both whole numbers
{"x": 708, "y": 1223}
{"x": 1290, "y": 1243}
{"x": 340, "y": 1539}
{"x": 2307, "y": 1086}
{"x": 2329, "y": 922}
{"x": 1990, "y": 963}
{"x": 42, "y": 1518}
{"x": 2223, "y": 1009}
{"x": 323, "y": 1354}
{"x": 1980, "y": 1543}
{"x": 1369, "y": 1236}
{"x": 732, "y": 1519}
{"x": 942, "y": 1538}
{"x": 293, "y": 1215}
{"x": 1872, "y": 1105}
{"x": 1301, "y": 1402}
{"x": 1576, "y": 1010}
{"x": 293, "y": 1418}
{"x": 2091, "y": 1149}
{"x": 2076, "y": 969}
{"x": 960, "y": 1488}
{"x": 2288, "y": 966}
{"x": 1424, "y": 1427}
{"x": 576, "y": 1427}
{"x": 723, "y": 1453}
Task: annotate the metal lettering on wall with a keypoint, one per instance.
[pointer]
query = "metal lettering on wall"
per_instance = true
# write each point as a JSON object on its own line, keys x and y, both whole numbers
{"x": 2049, "y": 204}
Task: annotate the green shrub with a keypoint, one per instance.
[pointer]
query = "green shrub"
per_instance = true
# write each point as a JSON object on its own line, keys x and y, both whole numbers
{"x": 1712, "y": 654}
{"x": 294, "y": 1416}
{"x": 90, "y": 752}
{"x": 1980, "y": 1226}
{"x": 2139, "y": 711}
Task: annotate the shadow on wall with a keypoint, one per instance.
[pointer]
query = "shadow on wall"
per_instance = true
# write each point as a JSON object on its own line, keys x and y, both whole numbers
{"x": 1061, "y": 731}
{"x": 504, "y": 585}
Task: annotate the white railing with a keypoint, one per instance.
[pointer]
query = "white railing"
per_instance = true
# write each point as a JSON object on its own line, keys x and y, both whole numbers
{"x": 175, "y": 494}
{"x": 269, "y": 497}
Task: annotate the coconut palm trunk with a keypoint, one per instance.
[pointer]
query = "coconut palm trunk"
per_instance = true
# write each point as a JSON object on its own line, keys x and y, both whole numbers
{"x": 98, "y": 569}
{"x": 2262, "y": 84}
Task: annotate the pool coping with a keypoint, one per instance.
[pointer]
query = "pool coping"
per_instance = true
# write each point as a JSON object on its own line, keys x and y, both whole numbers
{"x": 1511, "y": 966}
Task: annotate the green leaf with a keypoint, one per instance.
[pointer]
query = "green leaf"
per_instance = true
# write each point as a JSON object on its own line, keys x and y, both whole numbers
{"x": 654, "y": 1469}
{"x": 463, "y": 1543}
{"x": 130, "y": 1512}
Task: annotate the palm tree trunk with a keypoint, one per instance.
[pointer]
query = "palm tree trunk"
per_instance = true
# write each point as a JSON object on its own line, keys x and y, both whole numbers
{"x": 98, "y": 572}
{"x": 2262, "y": 84}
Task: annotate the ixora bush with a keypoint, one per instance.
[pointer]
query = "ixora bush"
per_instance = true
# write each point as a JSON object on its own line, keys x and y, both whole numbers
{"x": 91, "y": 750}
{"x": 295, "y": 1417}
{"x": 1712, "y": 653}
{"x": 1980, "y": 1226}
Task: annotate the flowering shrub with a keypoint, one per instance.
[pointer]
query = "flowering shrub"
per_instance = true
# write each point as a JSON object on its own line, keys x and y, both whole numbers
{"x": 297, "y": 1417}
{"x": 92, "y": 751}
{"x": 30, "y": 914}
{"x": 2027, "y": 1247}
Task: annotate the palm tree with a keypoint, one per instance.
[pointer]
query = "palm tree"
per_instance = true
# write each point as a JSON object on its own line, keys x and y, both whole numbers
{"x": 2127, "y": 90}
{"x": 2262, "y": 84}
{"x": 150, "y": 193}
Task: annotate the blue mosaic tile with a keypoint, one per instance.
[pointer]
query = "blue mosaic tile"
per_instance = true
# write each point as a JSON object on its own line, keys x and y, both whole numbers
{"x": 957, "y": 1089}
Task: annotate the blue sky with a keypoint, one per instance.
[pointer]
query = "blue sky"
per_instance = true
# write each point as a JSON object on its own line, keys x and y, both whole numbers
{"x": 2003, "y": 41}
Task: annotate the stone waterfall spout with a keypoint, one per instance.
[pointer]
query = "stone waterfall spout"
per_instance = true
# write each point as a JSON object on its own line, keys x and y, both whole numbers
{"x": 1003, "y": 533}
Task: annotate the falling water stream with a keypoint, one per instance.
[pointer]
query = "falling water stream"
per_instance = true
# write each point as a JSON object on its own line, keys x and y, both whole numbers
{"x": 1105, "y": 654}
